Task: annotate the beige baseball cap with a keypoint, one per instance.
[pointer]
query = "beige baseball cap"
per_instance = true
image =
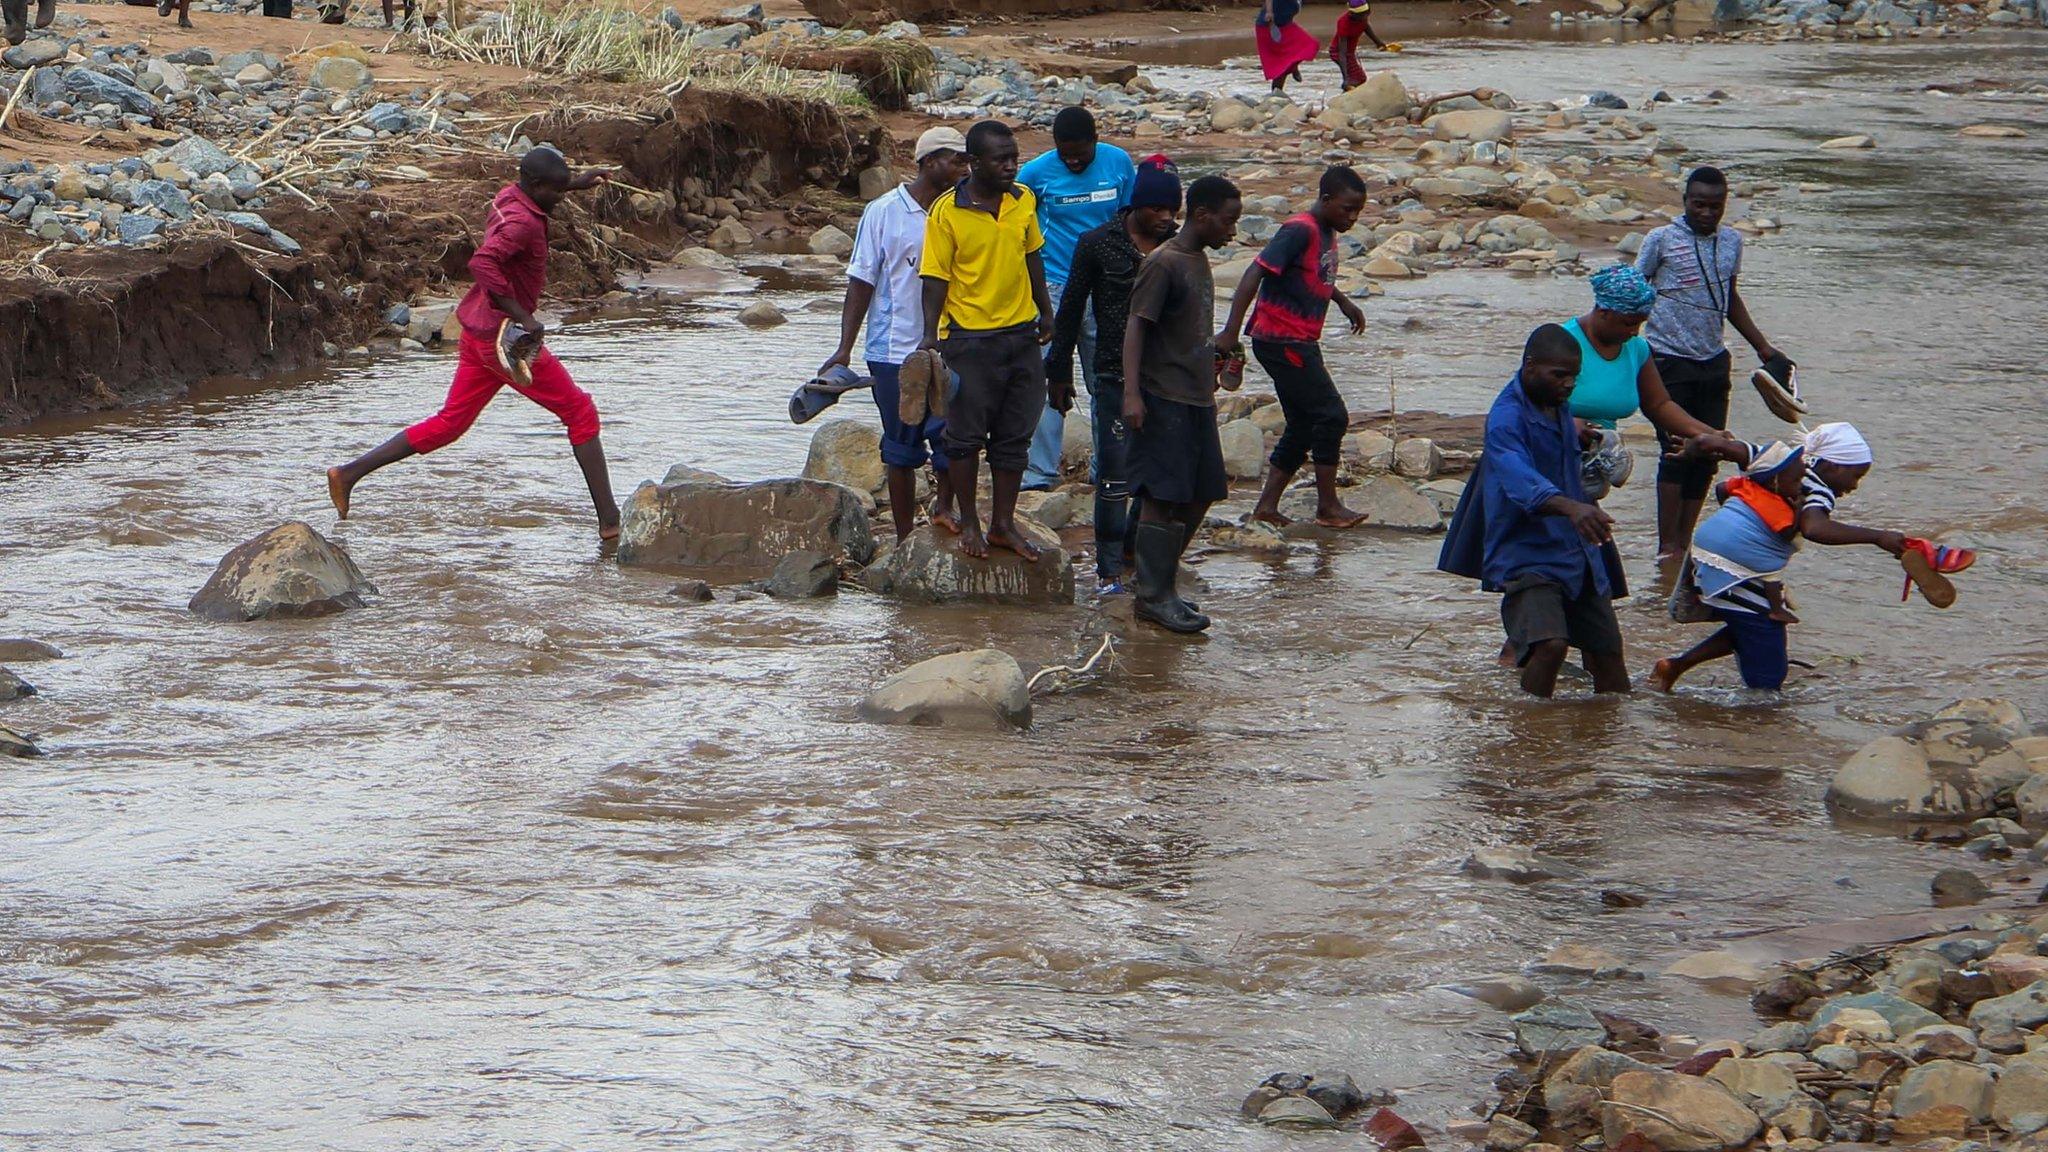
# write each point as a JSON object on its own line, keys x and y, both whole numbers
{"x": 935, "y": 139}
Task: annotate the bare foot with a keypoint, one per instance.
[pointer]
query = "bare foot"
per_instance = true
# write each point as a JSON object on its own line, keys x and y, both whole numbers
{"x": 1015, "y": 541}
{"x": 1339, "y": 517}
{"x": 608, "y": 531}
{"x": 1664, "y": 676}
{"x": 973, "y": 543}
{"x": 945, "y": 522}
{"x": 1507, "y": 655}
{"x": 338, "y": 487}
{"x": 1271, "y": 516}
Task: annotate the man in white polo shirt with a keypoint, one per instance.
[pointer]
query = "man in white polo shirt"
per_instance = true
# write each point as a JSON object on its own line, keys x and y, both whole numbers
{"x": 882, "y": 286}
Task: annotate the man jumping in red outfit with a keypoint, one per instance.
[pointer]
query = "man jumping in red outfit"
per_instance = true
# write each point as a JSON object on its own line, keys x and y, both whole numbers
{"x": 510, "y": 268}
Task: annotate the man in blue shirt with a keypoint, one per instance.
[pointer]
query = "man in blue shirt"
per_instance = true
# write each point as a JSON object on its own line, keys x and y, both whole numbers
{"x": 1525, "y": 528}
{"x": 1080, "y": 184}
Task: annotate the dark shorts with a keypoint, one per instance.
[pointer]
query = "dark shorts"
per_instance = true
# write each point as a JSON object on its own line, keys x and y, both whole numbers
{"x": 1700, "y": 387}
{"x": 1176, "y": 456}
{"x": 902, "y": 445}
{"x": 1002, "y": 395}
{"x": 1761, "y": 650}
{"x": 1534, "y": 609}
{"x": 1316, "y": 416}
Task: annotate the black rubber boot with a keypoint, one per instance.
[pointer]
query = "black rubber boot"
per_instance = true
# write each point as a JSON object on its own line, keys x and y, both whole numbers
{"x": 16, "y": 12}
{"x": 1158, "y": 548}
{"x": 1111, "y": 513}
{"x": 46, "y": 12}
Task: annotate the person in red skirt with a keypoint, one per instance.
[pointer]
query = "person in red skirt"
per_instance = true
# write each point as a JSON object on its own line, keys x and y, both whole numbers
{"x": 1284, "y": 45}
{"x": 501, "y": 339}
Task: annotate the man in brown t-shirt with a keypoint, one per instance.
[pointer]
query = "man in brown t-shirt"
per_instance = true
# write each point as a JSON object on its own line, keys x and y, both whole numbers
{"x": 1176, "y": 460}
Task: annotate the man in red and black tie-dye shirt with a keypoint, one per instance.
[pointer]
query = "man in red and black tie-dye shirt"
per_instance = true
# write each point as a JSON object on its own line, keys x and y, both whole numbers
{"x": 1294, "y": 282}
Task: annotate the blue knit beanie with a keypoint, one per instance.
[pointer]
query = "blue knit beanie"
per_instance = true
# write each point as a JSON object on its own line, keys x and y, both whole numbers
{"x": 1158, "y": 184}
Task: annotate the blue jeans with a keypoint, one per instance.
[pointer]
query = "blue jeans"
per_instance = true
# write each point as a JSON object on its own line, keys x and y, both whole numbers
{"x": 902, "y": 445}
{"x": 1044, "y": 468}
{"x": 1760, "y": 649}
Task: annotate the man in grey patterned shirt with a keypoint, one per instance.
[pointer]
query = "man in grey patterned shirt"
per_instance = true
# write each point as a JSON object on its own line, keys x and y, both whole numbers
{"x": 1693, "y": 264}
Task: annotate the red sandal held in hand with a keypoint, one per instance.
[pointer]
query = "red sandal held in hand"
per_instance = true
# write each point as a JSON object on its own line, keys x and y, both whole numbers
{"x": 1929, "y": 566}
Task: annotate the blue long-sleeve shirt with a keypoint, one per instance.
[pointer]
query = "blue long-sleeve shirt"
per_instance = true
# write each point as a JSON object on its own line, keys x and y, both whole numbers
{"x": 1499, "y": 531}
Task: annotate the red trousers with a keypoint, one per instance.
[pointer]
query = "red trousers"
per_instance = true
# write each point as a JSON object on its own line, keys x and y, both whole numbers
{"x": 477, "y": 380}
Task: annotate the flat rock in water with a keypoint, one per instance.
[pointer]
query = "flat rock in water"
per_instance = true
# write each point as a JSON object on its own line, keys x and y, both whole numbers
{"x": 980, "y": 689}
{"x": 694, "y": 591}
{"x": 742, "y": 530}
{"x": 1521, "y": 865}
{"x": 1555, "y": 1028}
{"x": 1903, "y": 1015}
{"x": 1718, "y": 968}
{"x": 1849, "y": 142}
{"x": 290, "y": 570}
{"x": 1506, "y": 991}
{"x": 928, "y": 567}
{"x": 1584, "y": 960}
{"x": 13, "y": 687}
{"x": 20, "y": 651}
{"x": 1297, "y": 1111}
{"x": 1994, "y": 132}
{"x": 1675, "y": 1113}
{"x": 15, "y": 744}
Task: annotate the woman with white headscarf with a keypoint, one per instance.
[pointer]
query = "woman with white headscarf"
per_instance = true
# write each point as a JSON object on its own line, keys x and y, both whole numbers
{"x": 1836, "y": 459}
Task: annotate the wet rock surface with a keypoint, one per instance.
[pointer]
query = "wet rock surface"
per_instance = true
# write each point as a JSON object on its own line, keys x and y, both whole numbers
{"x": 984, "y": 689}
{"x": 742, "y": 530}
{"x": 928, "y": 567}
{"x": 288, "y": 571}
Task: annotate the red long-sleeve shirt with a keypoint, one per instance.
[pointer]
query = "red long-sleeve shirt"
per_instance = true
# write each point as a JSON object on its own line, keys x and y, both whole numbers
{"x": 511, "y": 261}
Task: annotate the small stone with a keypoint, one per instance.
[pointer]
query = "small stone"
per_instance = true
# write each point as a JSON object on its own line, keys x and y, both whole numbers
{"x": 1840, "y": 1057}
{"x": 1849, "y": 142}
{"x": 1941, "y": 1042}
{"x": 33, "y": 54}
{"x": 693, "y": 591}
{"x": 1418, "y": 458}
{"x": 1993, "y": 132}
{"x": 1953, "y": 886}
{"x": 1504, "y": 1133}
{"x": 762, "y": 314}
{"x": 1391, "y": 1132}
{"x": 1337, "y": 1092}
{"x": 830, "y": 241}
{"x": 254, "y": 74}
{"x": 15, "y": 744}
{"x": 339, "y": 74}
{"x": 13, "y": 687}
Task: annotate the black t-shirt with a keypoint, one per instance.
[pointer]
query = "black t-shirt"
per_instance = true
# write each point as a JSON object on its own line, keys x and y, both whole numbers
{"x": 1177, "y": 294}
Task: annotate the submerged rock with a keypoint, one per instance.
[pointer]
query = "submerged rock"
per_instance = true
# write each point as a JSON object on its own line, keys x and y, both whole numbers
{"x": 1555, "y": 1028}
{"x": 1942, "y": 769}
{"x": 13, "y": 687}
{"x": 290, "y": 570}
{"x": 980, "y": 689}
{"x": 742, "y": 530}
{"x": 19, "y": 651}
{"x": 1296, "y": 1111}
{"x": 1506, "y": 991}
{"x": 15, "y": 744}
{"x": 1520, "y": 865}
{"x": 928, "y": 567}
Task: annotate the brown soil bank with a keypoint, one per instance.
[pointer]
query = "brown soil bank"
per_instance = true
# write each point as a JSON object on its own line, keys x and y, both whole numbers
{"x": 93, "y": 329}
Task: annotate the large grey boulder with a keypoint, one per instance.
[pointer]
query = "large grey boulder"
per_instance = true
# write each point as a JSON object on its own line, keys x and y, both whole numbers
{"x": 1945, "y": 1083}
{"x": 928, "y": 567}
{"x": 979, "y": 689}
{"x": 741, "y": 531}
{"x": 1381, "y": 97}
{"x": 290, "y": 570}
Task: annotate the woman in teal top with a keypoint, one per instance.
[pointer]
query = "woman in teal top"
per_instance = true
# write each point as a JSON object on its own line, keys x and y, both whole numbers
{"x": 1616, "y": 374}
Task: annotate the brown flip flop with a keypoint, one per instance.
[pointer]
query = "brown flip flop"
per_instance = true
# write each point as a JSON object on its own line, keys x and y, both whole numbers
{"x": 1354, "y": 521}
{"x": 1937, "y": 588}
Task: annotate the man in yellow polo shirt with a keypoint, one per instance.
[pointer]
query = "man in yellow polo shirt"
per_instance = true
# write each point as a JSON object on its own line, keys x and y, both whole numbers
{"x": 985, "y": 294}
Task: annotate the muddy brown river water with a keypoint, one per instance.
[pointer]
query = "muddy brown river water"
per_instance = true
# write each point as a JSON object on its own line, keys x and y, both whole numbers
{"x": 527, "y": 855}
